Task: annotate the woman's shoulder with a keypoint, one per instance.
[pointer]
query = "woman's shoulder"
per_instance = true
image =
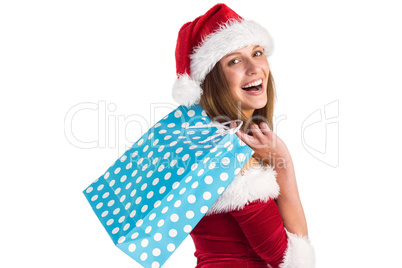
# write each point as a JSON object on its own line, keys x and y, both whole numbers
{"x": 254, "y": 182}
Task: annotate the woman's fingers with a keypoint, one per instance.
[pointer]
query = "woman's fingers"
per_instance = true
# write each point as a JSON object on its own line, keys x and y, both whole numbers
{"x": 247, "y": 139}
{"x": 240, "y": 134}
{"x": 257, "y": 137}
{"x": 264, "y": 128}
{"x": 257, "y": 133}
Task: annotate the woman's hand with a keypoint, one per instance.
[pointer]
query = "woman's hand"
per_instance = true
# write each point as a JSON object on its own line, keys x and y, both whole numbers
{"x": 272, "y": 150}
{"x": 268, "y": 147}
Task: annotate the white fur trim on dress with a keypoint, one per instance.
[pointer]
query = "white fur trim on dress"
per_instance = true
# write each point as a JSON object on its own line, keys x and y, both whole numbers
{"x": 257, "y": 183}
{"x": 299, "y": 253}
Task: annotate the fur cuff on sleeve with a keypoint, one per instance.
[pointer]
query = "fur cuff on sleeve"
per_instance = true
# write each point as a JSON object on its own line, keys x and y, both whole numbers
{"x": 257, "y": 183}
{"x": 299, "y": 253}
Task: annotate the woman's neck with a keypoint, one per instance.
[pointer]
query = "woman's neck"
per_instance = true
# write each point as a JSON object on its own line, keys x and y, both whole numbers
{"x": 248, "y": 113}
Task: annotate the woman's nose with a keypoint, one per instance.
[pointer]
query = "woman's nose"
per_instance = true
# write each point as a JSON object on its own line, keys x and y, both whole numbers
{"x": 252, "y": 67}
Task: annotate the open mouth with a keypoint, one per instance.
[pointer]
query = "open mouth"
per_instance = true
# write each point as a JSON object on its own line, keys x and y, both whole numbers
{"x": 253, "y": 86}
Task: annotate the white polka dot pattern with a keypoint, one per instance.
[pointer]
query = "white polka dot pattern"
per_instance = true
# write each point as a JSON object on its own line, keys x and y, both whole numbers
{"x": 152, "y": 197}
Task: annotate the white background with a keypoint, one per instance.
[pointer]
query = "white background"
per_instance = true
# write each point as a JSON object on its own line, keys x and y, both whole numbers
{"x": 337, "y": 59}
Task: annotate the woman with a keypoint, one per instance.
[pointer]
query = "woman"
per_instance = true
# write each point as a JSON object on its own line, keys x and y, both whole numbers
{"x": 258, "y": 221}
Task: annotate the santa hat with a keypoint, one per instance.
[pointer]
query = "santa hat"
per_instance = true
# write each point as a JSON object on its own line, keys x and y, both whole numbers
{"x": 203, "y": 42}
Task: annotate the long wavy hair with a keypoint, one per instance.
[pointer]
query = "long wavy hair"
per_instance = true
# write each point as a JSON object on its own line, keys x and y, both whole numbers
{"x": 220, "y": 106}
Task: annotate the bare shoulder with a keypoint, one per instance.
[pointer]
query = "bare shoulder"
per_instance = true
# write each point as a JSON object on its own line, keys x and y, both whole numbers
{"x": 250, "y": 163}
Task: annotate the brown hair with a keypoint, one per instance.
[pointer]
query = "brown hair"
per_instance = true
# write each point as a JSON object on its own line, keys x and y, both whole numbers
{"x": 220, "y": 106}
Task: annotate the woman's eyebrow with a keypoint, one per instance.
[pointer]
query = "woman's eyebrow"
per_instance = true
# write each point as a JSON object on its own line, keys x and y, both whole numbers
{"x": 234, "y": 53}
{"x": 231, "y": 54}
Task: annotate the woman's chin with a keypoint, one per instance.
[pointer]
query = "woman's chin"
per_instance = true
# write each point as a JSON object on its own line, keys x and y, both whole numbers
{"x": 253, "y": 106}
{"x": 252, "y": 103}
{"x": 258, "y": 104}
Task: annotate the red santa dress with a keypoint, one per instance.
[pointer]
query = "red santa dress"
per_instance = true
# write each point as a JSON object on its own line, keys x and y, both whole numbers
{"x": 244, "y": 228}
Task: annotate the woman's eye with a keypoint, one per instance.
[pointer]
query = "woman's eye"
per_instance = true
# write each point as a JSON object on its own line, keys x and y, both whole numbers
{"x": 258, "y": 53}
{"x": 233, "y": 62}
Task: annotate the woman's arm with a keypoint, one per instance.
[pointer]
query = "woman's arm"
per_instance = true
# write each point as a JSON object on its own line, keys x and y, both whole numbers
{"x": 288, "y": 201}
{"x": 261, "y": 223}
{"x": 270, "y": 149}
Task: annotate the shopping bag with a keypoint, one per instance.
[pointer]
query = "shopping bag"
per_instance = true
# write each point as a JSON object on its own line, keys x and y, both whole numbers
{"x": 151, "y": 198}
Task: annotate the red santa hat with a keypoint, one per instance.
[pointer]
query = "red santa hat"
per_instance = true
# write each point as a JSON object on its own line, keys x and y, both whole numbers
{"x": 203, "y": 42}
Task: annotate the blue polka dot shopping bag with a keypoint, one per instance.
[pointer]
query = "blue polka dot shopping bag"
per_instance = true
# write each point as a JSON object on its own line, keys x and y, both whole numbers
{"x": 151, "y": 198}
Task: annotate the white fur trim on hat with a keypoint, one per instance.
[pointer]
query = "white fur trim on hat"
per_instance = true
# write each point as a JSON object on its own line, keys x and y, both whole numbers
{"x": 257, "y": 183}
{"x": 299, "y": 253}
{"x": 229, "y": 37}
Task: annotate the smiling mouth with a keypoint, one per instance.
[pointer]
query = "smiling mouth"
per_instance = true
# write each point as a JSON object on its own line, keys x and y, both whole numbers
{"x": 253, "y": 86}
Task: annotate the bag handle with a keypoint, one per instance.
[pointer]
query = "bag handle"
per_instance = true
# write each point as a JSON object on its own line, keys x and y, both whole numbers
{"x": 223, "y": 129}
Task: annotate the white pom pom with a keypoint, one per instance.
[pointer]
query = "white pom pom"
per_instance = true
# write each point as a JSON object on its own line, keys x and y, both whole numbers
{"x": 186, "y": 91}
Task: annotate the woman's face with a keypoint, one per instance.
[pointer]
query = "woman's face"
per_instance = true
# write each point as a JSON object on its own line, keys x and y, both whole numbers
{"x": 246, "y": 71}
